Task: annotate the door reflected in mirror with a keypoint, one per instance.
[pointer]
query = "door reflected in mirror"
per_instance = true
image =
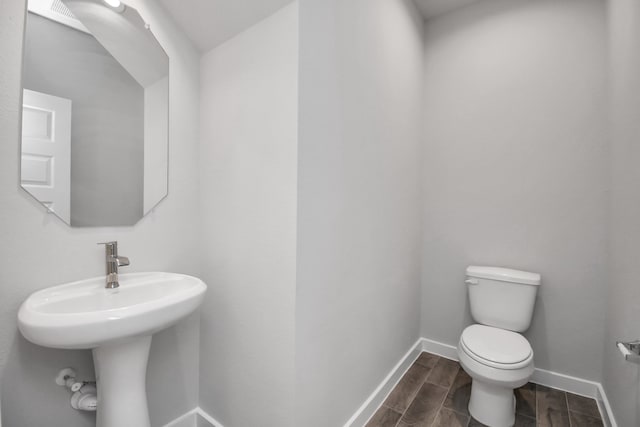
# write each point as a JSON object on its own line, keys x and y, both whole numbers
{"x": 95, "y": 112}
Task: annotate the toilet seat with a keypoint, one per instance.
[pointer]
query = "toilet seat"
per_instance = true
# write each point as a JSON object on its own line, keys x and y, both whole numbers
{"x": 496, "y": 348}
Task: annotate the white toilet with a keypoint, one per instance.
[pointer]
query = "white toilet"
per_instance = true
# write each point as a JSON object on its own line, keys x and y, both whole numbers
{"x": 493, "y": 353}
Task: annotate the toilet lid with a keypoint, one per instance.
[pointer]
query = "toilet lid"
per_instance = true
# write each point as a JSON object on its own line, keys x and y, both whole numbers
{"x": 495, "y": 345}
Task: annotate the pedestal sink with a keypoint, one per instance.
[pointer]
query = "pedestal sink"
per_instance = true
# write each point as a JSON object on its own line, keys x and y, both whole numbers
{"x": 117, "y": 324}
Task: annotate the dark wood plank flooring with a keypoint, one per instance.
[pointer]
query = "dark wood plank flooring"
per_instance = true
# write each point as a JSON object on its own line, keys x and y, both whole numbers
{"x": 435, "y": 392}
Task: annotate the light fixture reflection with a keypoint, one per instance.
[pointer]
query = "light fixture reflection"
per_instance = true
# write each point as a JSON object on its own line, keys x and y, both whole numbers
{"x": 116, "y": 5}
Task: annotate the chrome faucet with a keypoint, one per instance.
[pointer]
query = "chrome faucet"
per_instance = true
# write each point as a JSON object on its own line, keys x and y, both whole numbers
{"x": 113, "y": 262}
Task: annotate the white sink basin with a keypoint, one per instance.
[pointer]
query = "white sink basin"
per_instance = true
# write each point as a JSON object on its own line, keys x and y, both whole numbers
{"x": 117, "y": 324}
{"x": 85, "y": 315}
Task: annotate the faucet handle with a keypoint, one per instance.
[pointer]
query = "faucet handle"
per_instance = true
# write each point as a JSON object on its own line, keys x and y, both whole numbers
{"x": 122, "y": 261}
{"x": 111, "y": 248}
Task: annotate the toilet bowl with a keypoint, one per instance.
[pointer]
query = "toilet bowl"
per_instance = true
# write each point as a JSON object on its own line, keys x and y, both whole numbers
{"x": 493, "y": 352}
{"x": 498, "y": 361}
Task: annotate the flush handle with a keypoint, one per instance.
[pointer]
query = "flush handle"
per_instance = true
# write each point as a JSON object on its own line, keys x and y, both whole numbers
{"x": 471, "y": 281}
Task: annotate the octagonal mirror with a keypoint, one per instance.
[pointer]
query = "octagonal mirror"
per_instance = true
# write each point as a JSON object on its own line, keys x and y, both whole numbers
{"x": 95, "y": 112}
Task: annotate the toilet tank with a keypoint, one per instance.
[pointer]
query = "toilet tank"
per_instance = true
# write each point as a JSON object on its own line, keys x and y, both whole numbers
{"x": 502, "y": 297}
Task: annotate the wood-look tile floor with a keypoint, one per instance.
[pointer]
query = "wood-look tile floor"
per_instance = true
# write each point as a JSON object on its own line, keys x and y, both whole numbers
{"x": 435, "y": 393}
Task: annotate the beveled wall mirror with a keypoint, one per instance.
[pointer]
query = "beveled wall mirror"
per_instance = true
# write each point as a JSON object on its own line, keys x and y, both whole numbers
{"x": 95, "y": 112}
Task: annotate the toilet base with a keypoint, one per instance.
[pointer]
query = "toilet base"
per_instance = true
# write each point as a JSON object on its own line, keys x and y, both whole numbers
{"x": 492, "y": 405}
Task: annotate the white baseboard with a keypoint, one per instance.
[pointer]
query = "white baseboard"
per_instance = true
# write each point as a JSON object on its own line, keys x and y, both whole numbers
{"x": 605, "y": 408}
{"x": 184, "y": 420}
{"x": 540, "y": 376}
{"x": 373, "y": 402}
{"x": 208, "y": 418}
{"x": 440, "y": 349}
{"x": 543, "y": 377}
{"x": 565, "y": 383}
{"x": 194, "y": 418}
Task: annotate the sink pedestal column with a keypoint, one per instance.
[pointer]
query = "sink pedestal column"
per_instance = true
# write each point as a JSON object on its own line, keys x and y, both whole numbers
{"x": 121, "y": 372}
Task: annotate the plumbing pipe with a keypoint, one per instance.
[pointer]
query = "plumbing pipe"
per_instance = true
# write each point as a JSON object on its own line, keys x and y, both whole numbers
{"x": 84, "y": 397}
{"x": 84, "y": 402}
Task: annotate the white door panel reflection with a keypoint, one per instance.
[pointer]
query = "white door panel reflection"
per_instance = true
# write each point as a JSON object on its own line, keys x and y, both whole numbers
{"x": 46, "y": 151}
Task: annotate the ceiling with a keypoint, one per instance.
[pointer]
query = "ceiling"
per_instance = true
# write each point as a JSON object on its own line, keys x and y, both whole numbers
{"x": 211, "y": 22}
{"x": 432, "y": 8}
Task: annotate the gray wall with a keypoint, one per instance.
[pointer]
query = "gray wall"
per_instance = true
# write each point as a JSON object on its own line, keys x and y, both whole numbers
{"x": 358, "y": 272}
{"x": 515, "y": 168}
{"x": 622, "y": 379}
{"x": 248, "y": 199}
{"x": 107, "y": 123}
{"x": 39, "y": 250}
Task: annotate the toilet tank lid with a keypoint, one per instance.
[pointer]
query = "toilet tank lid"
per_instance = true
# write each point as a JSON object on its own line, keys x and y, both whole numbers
{"x": 504, "y": 275}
